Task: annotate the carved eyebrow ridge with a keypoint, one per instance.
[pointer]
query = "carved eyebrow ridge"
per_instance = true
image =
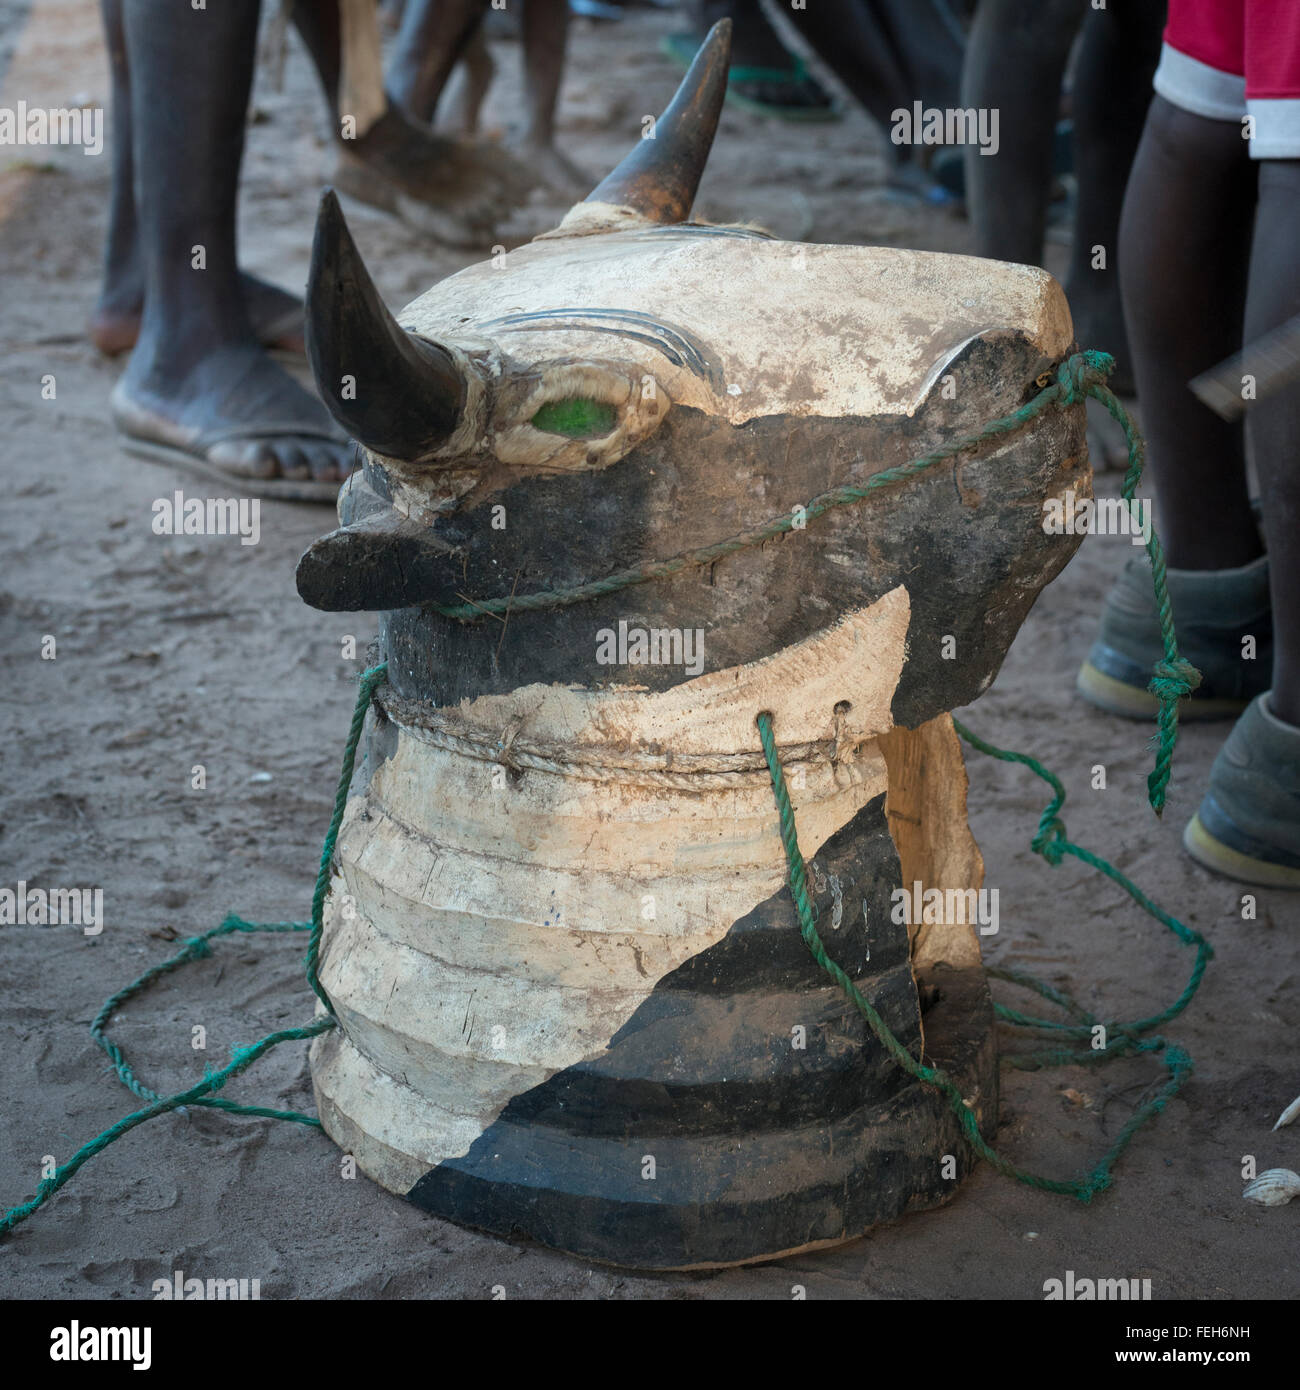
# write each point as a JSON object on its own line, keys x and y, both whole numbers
{"x": 678, "y": 345}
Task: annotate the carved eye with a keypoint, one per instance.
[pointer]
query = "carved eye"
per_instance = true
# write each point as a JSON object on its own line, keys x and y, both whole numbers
{"x": 578, "y": 417}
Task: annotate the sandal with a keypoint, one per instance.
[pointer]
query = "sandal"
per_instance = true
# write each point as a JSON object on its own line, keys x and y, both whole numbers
{"x": 149, "y": 436}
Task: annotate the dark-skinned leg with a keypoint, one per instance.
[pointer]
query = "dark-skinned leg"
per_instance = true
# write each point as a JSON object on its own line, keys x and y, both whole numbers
{"x": 1015, "y": 61}
{"x": 1112, "y": 91}
{"x": 477, "y": 70}
{"x": 430, "y": 42}
{"x": 1274, "y": 422}
{"x": 928, "y": 45}
{"x": 1248, "y": 823}
{"x": 454, "y": 190}
{"x": 1184, "y": 252}
{"x": 438, "y": 34}
{"x": 545, "y": 38}
{"x": 850, "y": 39}
{"x": 197, "y": 372}
{"x": 115, "y": 324}
{"x": 1184, "y": 249}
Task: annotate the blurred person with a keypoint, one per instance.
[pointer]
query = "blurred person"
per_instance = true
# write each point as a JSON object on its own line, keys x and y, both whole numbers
{"x": 199, "y": 388}
{"x": 1210, "y": 258}
{"x": 1015, "y": 63}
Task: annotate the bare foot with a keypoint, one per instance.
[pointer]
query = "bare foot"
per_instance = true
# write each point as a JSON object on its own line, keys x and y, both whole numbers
{"x": 277, "y": 317}
{"x": 232, "y": 410}
{"x": 454, "y": 190}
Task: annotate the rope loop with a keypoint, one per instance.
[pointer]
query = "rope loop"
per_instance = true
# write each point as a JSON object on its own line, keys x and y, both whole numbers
{"x": 1121, "y": 1038}
{"x": 1050, "y": 841}
{"x": 197, "y": 948}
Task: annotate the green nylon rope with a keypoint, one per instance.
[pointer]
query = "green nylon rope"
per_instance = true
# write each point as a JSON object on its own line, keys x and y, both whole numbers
{"x": 1050, "y": 841}
{"x": 370, "y": 681}
{"x": 1120, "y": 1038}
{"x": 1083, "y": 374}
{"x": 1174, "y": 676}
{"x": 241, "y": 1058}
{"x": 196, "y": 948}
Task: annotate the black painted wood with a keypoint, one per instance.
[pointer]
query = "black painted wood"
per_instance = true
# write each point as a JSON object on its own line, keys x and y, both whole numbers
{"x": 967, "y": 541}
{"x": 729, "y": 1198}
{"x": 760, "y": 1146}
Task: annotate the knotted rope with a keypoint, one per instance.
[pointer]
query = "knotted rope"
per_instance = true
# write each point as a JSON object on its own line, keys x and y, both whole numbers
{"x": 1081, "y": 375}
{"x": 449, "y": 731}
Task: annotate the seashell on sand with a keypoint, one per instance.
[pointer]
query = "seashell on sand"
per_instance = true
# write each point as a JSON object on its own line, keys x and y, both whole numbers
{"x": 1273, "y": 1188}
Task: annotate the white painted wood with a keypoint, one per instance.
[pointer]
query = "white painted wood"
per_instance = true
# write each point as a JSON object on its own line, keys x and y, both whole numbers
{"x": 482, "y": 936}
{"x": 856, "y": 330}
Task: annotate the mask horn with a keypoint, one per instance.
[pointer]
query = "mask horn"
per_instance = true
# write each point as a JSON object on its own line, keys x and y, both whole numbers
{"x": 659, "y": 178}
{"x": 394, "y": 393}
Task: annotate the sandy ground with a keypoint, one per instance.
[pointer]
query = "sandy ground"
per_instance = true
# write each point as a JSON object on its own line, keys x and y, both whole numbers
{"x": 178, "y": 651}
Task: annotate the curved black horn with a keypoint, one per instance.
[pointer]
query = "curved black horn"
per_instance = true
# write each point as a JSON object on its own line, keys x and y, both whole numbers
{"x": 659, "y": 178}
{"x": 395, "y": 393}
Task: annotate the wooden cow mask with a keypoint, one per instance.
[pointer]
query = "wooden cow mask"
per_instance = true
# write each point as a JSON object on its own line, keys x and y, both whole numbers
{"x": 572, "y": 996}
{"x": 632, "y": 386}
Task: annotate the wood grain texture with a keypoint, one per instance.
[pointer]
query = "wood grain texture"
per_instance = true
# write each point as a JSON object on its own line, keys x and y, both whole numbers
{"x": 926, "y": 806}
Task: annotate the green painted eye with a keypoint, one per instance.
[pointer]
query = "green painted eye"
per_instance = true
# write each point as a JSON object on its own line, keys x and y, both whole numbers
{"x": 576, "y": 418}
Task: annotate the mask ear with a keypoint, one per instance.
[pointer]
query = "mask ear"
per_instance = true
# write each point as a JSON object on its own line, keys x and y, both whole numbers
{"x": 406, "y": 395}
{"x": 659, "y": 178}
